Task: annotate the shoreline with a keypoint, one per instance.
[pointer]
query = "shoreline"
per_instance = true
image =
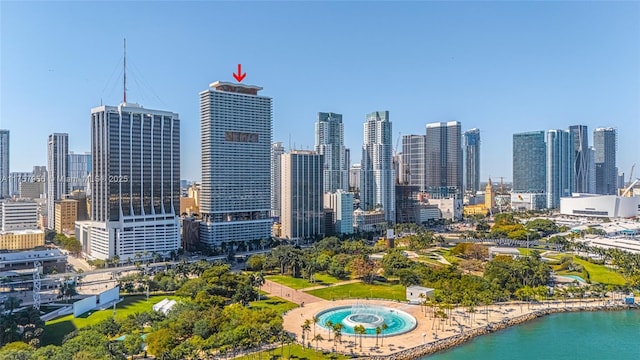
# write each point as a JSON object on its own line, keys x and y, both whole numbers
{"x": 457, "y": 340}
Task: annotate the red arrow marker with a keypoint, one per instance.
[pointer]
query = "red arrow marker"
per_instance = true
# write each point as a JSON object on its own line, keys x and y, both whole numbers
{"x": 239, "y": 76}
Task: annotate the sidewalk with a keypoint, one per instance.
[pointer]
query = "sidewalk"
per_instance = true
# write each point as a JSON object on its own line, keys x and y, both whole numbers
{"x": 287, "y": 293}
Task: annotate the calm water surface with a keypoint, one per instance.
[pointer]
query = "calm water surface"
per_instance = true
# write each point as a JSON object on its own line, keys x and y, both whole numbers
{"x": 611, "y": 335}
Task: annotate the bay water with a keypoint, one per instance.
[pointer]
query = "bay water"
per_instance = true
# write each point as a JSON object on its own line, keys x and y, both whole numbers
{"x": 602, "y": 335}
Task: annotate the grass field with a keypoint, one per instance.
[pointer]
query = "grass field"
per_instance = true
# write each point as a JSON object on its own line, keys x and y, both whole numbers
{"x": 298, "y": 283}
{"x": 597, "y": 273}
{"x": 293, "y": 351}
{"x": 56, "y": 329}
{"x": 276, "y": 303}
{"x": 600, "y": 273}
{"x": 361, "y": 290}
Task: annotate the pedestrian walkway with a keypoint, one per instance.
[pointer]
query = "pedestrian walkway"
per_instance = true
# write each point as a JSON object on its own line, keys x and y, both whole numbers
{"x": 330, "y": 285}
{"x": 284, "y": 292}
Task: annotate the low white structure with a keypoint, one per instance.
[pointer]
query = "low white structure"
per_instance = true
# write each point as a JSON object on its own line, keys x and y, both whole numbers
{"x": 528, "y": 201}
{"x": 164, "y": 306}
{"x": 418, "y": 294}
{"x": 610, "y": 206}
{"x": 508, "y": 251}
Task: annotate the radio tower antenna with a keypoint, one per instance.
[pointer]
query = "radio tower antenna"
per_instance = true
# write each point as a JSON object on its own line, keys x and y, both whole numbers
{"x": 124, "y": 87}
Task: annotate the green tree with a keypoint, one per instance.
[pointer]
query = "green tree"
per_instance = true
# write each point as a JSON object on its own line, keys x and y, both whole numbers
{"x": 132, "y": 344}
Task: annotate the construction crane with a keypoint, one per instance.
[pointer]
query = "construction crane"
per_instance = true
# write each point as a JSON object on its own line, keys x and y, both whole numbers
{"x": 396, "y": 161}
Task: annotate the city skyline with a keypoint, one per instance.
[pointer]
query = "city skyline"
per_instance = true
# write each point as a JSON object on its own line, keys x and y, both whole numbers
{"x": 492, "y": 75}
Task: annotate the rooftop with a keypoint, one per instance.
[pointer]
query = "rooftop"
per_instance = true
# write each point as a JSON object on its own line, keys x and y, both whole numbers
{"x": 235, "y": 87}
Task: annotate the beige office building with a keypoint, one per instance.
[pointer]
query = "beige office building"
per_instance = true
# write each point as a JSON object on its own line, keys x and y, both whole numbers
{"x": 66, "y": 215}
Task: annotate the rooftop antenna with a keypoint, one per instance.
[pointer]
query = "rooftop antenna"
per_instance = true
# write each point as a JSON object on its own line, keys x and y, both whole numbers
{"x": 124, "y": 87}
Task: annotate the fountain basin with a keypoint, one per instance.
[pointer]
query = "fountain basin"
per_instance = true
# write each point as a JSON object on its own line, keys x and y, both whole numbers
{"x": 369, "y": 316}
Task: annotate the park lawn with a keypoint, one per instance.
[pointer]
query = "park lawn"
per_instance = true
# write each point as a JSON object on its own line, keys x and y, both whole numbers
{"x": 600, "y": 273}
{"x": 379, "y": 290}
{"x": 56, "y": 329}
{"x": 525, "y": 251}
{"x": 275, "y": 303}
{"x": 429, "y": 261}
{"x": 299, "y": 283}
{"x": 293, "y": 351}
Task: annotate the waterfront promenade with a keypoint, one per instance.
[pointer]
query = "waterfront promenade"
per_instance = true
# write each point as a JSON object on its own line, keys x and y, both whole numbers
{"x": 431, "y": 334}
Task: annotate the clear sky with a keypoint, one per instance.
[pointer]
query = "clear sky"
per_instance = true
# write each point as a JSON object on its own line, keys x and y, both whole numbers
{"x": 503, "y": 67}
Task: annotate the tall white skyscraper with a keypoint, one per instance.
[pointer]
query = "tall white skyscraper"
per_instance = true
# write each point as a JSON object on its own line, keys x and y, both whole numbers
{"x": 302, "y": 194}
{"x": 4, "y": 163}
{"x": 135, "y": 182}
{"x": 330, "y": 144}
{"x": 276, "y": 178}
{"x": 236, "y": 131}
{"x": 58, "y": 149}
{"x": 560, "y": 166}
{"x": 377, "y": 188}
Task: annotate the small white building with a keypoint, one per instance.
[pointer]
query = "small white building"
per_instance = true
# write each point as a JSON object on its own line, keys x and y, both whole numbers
{"x": 508, "y": 251}
{"x": 164, "y": 306}
{"x": 417, "y": 294}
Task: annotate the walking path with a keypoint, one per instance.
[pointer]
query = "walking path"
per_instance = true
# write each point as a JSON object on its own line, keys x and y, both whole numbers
{"x": 336, "y": 284}
{"x": 284, "y": 292}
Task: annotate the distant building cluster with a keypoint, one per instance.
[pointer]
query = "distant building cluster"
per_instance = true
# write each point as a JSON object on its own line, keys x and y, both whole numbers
{"x": 125, "y": 198}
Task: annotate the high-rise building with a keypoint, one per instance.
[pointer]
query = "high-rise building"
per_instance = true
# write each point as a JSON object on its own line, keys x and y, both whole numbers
{"x": 529, "y": 162}
{"x": 330, "y": 144}
{"x": 560, "y": 166}
{"x": 236, "y": 125}
{"x": 18, "y": 215}
{"x": 66, "y": 215}
{"x": 354, "y": 177}
{"x": 40, "y": 174}
{"x": 58, "y": 150}
{"x": 4, "y": 163}
{"x": 581, "y": 158}
{"x": 135, "y": 182}
{"x": 591, "y": 174}
{"x": 444, "y": 160}
{"x": 413, "y": 171}
{"x": 377, "y": 188}
{"x": 472, "y": 160}
{"x": 15, "y": 179}
{"x": 341, "y": 204}
{"x": 302, "y": 214}
{"x": 276, "y": 181}
{"x": 78, "y": 170}
{"x": 604, "y": 143}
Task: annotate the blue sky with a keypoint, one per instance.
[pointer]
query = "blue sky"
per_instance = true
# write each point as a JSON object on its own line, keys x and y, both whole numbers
{"x": 503, "y": 67}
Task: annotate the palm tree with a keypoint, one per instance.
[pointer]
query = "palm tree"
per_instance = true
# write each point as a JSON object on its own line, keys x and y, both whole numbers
{"x": 378, "y": 331}
{"x": 337, "y": 333}
{"x": 383, "y": 327}
{"x": 360, "y": 330}
{"x": 317, "y": 338}
{"x": 305, "y": 327}
{"x": 329, "y": 325}
{"x": 315, "y": 320}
